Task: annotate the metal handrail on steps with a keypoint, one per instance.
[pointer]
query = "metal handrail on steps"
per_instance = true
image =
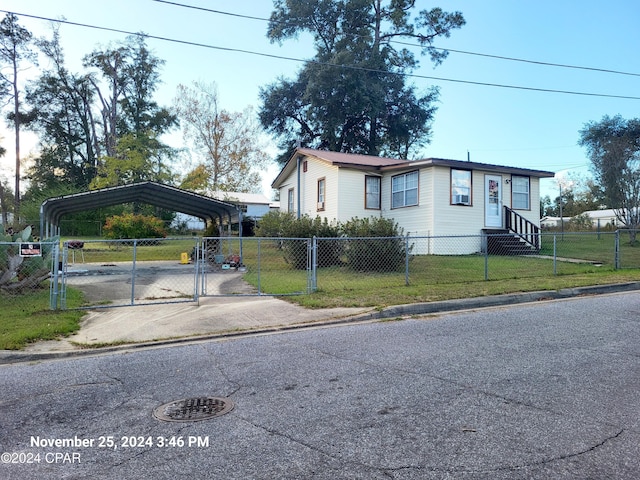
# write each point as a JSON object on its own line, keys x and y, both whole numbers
{"x": 523, "y": 228}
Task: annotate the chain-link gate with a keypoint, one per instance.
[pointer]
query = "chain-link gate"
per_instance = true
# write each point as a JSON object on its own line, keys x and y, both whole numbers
{"x": 113, "y": 273}
{"x": 255, "y": 266}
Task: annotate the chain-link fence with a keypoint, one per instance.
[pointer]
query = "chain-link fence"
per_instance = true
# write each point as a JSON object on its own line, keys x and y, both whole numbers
{"x": 24, "y": 269}
{"x": 345, "y": 264}
{"x": 627, "y": 249}
{"x": 256, "y": 266}
{"x": 133, "y": 272}
{"x": 129, "y": 272}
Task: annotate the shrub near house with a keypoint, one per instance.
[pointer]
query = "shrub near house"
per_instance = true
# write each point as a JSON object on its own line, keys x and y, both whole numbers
{"x": 354, "y": 240}
{"x": 366, "y": 253}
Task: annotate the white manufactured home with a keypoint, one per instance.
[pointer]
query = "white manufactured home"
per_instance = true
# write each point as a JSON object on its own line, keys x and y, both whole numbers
{"x": 428, "y": 198}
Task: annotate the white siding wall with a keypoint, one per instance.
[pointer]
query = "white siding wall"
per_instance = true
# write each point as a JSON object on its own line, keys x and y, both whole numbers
{"x": 315, "y": 171}
{"x": 458, "y": 219}
{"x": 309, "y": 189}
{"x": 416, "y": 220}
{"x": 433, "y": 216}
{"x": 351, "y": 196}
{"x": 289, "y": 183}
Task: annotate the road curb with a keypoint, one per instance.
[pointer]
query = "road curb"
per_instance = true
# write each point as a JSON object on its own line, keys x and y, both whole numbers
{"x": 396, "y": 311}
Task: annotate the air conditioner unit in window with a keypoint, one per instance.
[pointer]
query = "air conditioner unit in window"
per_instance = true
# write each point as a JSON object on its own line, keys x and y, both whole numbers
{"x": 320, "y": 205}
{"x": 461, "y": 199}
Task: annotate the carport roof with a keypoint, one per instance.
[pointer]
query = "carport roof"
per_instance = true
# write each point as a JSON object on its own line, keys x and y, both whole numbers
{"x": 163, "y": 196}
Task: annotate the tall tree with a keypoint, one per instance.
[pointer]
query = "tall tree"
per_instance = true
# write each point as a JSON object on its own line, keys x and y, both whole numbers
{"x": 63, "y": 106}
{"x": 131, "y": 74}
{"x": 353, "y": 96}
{"x": 15, "y": 49}
{"x": 613, "y": 146}
{"x": 141, "y": 77}
{"x": 227, "y": 144}
{"x": 4, "y": 204}
{"x": 138, "y": 158}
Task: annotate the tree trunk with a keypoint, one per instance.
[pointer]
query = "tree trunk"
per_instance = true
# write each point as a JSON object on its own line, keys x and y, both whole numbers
{"x": 16, "y": 111}
{"x": 3, "y": 206}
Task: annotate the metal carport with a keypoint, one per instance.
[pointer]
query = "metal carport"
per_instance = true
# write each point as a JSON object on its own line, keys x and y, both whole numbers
{"x": 152, "y": 193}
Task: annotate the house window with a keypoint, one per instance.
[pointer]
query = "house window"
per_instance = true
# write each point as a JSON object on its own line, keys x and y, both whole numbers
{"x": 520, "y": 193}
{"x": 290, "y": 200}
{"x": 404, "y": 190}
{"x": 460, "y": 187}
{"x": 321, "y": 193}
{"x": 372, "y": 192}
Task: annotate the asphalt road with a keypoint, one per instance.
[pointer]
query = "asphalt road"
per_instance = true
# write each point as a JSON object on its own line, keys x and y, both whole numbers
{"x": 547, "y": 390}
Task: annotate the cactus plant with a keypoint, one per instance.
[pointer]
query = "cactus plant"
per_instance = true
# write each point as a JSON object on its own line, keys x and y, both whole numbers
{"x": 16, "y": 272}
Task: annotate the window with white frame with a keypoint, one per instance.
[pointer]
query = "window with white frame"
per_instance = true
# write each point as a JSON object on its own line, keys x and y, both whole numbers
{"x": 520, "y": 193}
{"x": 372, "y": 192}
{"x": 404, "y": 190}
{"x": 290, "y": 207}
{"x": 460, "y": 187}
{"x": 321, "y": 193}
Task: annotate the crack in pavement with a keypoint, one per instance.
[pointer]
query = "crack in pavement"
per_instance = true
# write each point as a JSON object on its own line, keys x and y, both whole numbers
{"x": 225, "y": 375}
{"x": 553, "y": 459}
{"x": 316, "y": 449}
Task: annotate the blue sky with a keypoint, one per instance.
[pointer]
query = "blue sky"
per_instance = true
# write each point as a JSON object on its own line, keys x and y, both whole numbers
{"x": 495, "y": 125}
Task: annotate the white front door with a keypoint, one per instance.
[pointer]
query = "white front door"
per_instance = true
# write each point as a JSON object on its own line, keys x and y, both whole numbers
{"x": 493, "y": 201}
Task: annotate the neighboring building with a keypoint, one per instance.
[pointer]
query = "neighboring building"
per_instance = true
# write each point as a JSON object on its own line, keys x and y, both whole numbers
{"x": 599, "y": 219}
{"x": 553, "y": 222}
{"x": 430, "y": 197}
{"x": 604, "y": 218}
{"x": 253, "y": 207}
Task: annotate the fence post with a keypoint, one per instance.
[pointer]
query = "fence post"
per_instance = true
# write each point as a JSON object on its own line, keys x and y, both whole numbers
{"x": 53, "y": 296}
{"x": 197, "y": 272}
{"x": 486, "y": 257}
{"x": 202, "y": 259}
{"x": 406, "y": 260}
{"x": 617, "y": 250}
{"x": 555, "y": 271}
{"x": 259, "y": 261}
{"x": 133, "y": 273}
{"x": 314, "y": 264}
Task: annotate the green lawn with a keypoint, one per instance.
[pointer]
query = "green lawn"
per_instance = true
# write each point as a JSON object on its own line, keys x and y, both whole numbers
{"x": 436, "y": 277}
{"x": 27, "y": 318}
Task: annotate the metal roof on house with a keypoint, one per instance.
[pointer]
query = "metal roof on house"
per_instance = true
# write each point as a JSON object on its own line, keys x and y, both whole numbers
{"x": 466, "y": 165}
{"x": 351, "y": 159}
{"x": 152, "y": 193}
{"x": 368, "y": 162}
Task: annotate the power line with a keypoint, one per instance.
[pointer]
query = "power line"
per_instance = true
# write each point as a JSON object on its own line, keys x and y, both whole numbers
{"x": 334, "y": 65}
{"x": 463, "y": 52}
{"x": 210, "y": 10}
{"x": 535, "y": 62}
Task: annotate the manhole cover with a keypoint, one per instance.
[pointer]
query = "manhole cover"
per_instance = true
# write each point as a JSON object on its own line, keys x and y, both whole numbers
{"x": 193, "y": 409}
